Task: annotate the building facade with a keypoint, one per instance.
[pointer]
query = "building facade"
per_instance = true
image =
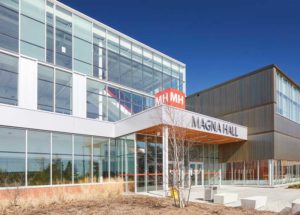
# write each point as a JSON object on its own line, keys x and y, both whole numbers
{"x": 77, "y": 105}
{"x": 268, "y": 103}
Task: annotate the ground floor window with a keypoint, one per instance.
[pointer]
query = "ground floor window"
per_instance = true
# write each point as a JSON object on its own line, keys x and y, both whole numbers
{"x": 30, "y": 157}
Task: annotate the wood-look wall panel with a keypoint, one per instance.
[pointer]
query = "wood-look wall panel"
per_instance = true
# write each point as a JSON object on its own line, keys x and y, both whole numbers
{"x": 258, "y": 147}
{"x": 286, "y": 126}
{"x": 244, "y": 93}
{"x": 257, "y": 120}
{"x": 286, "y": 147}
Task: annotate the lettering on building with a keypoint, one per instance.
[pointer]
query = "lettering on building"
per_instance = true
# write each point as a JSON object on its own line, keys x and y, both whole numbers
{"x": 171, "y": 97}
{"x": 214, "y": 126}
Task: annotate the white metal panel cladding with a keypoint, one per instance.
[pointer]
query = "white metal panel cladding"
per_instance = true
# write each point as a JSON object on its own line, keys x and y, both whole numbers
{"x": 41, "y": 120}
{"x": 27, "y": 92}
{"x": 79, "y": 95}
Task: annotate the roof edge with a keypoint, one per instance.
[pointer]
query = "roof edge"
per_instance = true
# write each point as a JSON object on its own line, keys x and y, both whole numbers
{"x": 270, "y": 66}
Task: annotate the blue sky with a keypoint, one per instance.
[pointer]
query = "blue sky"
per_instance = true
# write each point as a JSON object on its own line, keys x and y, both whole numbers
{"x": 216, "y": 39}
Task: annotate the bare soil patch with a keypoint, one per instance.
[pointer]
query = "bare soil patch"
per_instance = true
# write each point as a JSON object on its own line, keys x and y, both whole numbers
{"x": 128, "y": 205}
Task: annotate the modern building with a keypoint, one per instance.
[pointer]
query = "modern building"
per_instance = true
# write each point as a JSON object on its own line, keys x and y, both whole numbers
{"x": 83, "y": 104}
{"x": 267, "y": 101}
{"x": 77, "y": 105}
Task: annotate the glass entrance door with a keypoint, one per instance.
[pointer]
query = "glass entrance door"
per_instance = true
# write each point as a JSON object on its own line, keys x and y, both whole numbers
{"x": 196, "y": 174}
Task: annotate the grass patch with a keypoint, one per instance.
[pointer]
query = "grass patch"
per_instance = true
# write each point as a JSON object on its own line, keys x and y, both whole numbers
{"x": 294, "y": 186}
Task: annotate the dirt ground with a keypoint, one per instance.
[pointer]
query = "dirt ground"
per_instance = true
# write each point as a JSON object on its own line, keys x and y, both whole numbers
{"x": 128, "y": 205}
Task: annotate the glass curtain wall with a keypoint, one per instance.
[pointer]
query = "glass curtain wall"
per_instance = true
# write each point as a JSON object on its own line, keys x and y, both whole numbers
{"x": 288, "y": 99}
{"x": 286, "y": 171}
{"x": 245, "y": 173}
{"x": 104, "y": 102}
{"x": 75, "y": 159}
{"x": 149, "y": 163}
{"x": 53, "y": 34}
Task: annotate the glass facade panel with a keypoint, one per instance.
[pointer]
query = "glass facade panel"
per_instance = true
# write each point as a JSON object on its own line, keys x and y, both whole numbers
{"x": 63, "y": 92}
{"x": 34, "y": 9}
{"x": 96, "y": 100}
{"x": 12, "y": 157}
{"x": 50, "y": 38}
{"x": 61, "y": 158}
{"x": 100, "y": 159}
{"x": 83, "y": 56}
{"x": 9, "y": 79}
{"x": 13, "y": 4}
{"x": 9, "y": 25}
{"x": 63, "y": 38}
{"x": 82, "y": 159}
{"x": 45, "y": 88}
{"x": 288, "y": 99}
{"x": 38, "y": 158}
{"x": 82, "y": 28}
{"x": 32, "y": 38}
{"x": 99, "y": 54}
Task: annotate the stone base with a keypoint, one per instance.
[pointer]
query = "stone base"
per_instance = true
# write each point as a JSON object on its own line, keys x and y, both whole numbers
{"x": 225, "y": 198}
{"x": 254, "y": 202}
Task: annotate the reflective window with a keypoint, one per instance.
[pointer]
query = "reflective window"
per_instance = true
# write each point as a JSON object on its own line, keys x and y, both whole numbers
{"x": 83, "y": 56}
{"x": 45, "y": 88}
{"x": 61, "y": 158}
{"x": 99, "y": 54}
{"x": 38, "y": 158}
{"x": 125, "y": 71}
{"x": 34, "y": 9}
{"x": 148, "y": 102}
{"x": 137, "y": 72}
{"x": 82, "y": 159}
{"x": 63, "y": 92}
{"x": 288, "y": 99}
{"x": 9, "y": 79}
{"x": 63, "y": 49}
{"x": 13, "y": 4}
{"x": 100, "y": 159}
{"x": 32, "y": 38}
{"x": 12, "y": 157}
{"x": 63, "y": 38}
{"x": 148, "y": 79}
{"x": 125, "y": 104}
{"x": 113, "y": 104}
{"x": 113, "y": 67}
{"x": 82, "y": 28}
{"x": 96, "y": 100}
{"x": 137, "y": 103}
{"x": 9, "y": 25}
{"x": 50, "y": 36}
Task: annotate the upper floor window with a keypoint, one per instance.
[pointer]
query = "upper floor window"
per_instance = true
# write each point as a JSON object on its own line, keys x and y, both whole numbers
{"x": 9, "y": 25}
{"x": 54, "y": 94}
{"x": 8, "y": 79}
